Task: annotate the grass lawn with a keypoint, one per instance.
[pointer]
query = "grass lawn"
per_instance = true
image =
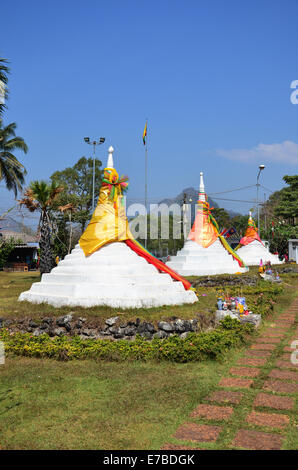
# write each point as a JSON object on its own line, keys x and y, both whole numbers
{"x": 12, "y": 284}
{"x": 46, "y": 404}
{"x": 88, "y": 405}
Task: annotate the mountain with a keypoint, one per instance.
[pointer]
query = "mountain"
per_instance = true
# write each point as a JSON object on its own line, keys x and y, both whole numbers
{"x": 192, "y": 194}
{"x": 9, "y": 224}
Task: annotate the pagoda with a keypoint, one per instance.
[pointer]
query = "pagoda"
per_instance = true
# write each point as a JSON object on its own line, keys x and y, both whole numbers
{"x": 206, "y": 251}
{"x": 109, "y": 267}
{"x": 251, "y": 248}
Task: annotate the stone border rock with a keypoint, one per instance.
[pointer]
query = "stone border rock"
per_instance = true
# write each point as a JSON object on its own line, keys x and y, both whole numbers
{"x": 213, "y": 281}
{"x": 114, "y": 329}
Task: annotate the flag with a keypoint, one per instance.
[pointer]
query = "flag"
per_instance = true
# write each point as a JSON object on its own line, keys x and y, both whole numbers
{"x": 145, "y": 134}
{"x": 230, "y": 232}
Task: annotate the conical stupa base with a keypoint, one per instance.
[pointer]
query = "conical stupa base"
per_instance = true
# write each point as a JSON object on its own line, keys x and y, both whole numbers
{"x": 194, "y": 260}
{"x": 254, "y": 252}
{"x": 113, "y": 276}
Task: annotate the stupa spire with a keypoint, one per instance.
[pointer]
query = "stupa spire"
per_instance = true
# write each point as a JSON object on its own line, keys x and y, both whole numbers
{"x": 110, "y": 163}
{"x": 202, "y": 195}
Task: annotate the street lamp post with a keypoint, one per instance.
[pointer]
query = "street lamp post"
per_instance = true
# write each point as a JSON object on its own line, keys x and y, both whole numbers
{"x": 94, "y": 143}
{"x": 261, "y": 167}
{"x": 184, "y": 215}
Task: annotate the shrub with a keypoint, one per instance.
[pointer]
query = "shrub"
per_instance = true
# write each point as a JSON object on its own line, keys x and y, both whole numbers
{"x": 196, "y": 347}
{"x": 260, "y": 298}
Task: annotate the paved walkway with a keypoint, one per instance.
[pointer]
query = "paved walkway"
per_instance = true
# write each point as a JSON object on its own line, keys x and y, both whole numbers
{"x": 253, "y": 406}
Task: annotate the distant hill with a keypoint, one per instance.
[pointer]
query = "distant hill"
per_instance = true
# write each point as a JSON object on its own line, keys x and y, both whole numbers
{"x": 192, "y": 193}
{"x": 232, "y": 213}
{"x": 11, "y": 225}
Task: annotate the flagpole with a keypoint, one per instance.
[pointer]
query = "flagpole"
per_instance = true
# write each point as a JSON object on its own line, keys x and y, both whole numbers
{"x": 146, "y": 172}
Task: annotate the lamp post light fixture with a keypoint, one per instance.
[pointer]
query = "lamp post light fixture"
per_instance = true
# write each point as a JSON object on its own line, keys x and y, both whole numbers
{"x": 261, "y": 167}
{"x": 94, "y": 143}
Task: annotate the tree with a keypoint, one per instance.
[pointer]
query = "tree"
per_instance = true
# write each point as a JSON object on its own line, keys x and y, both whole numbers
{"x": 69, "y": 210}
{"x": 280, "y": 235}
{"x": 40, "y": 196}
{"x": 222, "y": 217}
{"x": 4, "y": 70}
{"x": 240, "y": 223}
{"x": 287, "y": 207}
{"x": 169, "y": 233}
{"x": 6, "y": 247}
{"x": 11, "y": 170}
{"x": 77, "y": 183}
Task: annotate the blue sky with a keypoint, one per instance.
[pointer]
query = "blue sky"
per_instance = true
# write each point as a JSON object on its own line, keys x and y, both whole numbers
{"x": 212, "y": 77}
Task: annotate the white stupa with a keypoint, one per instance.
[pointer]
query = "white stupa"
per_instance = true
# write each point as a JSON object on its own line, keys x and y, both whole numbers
{"x": 113, "y": 274}
{"x": 205, "y": 252}
{"x": 252, "y": 250}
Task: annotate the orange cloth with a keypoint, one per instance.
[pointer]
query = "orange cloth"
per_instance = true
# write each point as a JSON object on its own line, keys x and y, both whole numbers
{"x": 141, "y": 251}
{"x": 203, "y": 231}
{"x": 251, "y": 234}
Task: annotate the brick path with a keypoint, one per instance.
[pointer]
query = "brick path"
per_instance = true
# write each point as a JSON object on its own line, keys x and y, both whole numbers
{"x": 259, "y": 389}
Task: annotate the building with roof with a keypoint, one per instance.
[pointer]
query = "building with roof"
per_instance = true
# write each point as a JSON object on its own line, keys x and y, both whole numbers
{"x": 25, "y": 254}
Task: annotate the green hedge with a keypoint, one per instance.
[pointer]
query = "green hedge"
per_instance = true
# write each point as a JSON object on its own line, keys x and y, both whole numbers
{"x": 196, "y": 347}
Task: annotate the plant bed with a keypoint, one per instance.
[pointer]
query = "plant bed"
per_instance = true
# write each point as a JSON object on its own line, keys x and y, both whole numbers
{"x": 112, "y": 328}
{"x": 195, "y": 347}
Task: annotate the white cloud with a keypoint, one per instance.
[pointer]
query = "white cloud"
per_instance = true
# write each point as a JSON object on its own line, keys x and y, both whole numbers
{"x": 285, "y": 152}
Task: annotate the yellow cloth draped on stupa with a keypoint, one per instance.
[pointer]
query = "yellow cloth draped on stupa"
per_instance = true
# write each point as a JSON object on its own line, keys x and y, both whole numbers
{"x": 203, "y": 231}
{"x": 109, "y": 222}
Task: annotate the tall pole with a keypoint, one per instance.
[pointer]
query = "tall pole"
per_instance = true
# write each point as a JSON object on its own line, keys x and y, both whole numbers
{"x": 258, "y": 211}
{"x": 261, "y": 167}
{"x": 94, "y": 143}
{"x": 93, "y": 176}
{"x": 146, "y": 172}
{"x": 265, "y": 214}
{"x": 184, "y": 217}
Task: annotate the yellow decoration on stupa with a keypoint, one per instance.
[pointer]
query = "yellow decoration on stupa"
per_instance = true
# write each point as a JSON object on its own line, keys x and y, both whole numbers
{"x": 109, "y": 222}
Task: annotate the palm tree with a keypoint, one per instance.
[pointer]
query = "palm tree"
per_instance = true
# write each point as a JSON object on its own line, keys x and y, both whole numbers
{"x": 11, "y": 170}
{"x": 69, "y": 209}
{"x": 40, "y": 197}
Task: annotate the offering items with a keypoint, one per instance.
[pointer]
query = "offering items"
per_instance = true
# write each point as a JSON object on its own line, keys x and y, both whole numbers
{"x": 236, "y": 308}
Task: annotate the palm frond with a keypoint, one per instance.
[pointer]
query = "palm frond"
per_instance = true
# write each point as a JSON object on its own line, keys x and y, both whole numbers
{"x": 17, "y": 143}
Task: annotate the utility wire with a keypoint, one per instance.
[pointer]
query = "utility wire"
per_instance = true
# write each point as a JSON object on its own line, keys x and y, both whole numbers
{"x": 231, "y": 190}
{"x": 235, "y": 200}
{"x": 270, "y": 191}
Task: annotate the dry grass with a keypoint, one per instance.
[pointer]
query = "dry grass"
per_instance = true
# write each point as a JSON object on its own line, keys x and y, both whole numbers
{"x": 12, "y": 284}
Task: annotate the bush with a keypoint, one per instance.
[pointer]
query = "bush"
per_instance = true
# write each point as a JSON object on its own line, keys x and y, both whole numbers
{"x": 196, "y": 347}
{"x": 6, "y": 247}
